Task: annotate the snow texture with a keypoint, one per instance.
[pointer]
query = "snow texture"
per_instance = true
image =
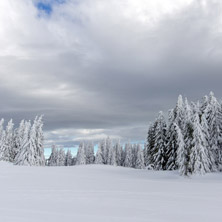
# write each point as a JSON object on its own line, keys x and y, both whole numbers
{"x": 102, "y": 193}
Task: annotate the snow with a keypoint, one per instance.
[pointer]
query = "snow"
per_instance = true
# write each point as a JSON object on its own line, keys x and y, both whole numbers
{"x": 106, "y": 193}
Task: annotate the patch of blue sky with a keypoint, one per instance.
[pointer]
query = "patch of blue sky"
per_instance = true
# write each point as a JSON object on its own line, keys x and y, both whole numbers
{"x": 74, "y": 150}
{"x": 46, "y": 6}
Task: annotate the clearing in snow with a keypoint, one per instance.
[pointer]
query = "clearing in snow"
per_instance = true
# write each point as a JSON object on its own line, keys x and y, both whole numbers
{"x": 103, "y": 193}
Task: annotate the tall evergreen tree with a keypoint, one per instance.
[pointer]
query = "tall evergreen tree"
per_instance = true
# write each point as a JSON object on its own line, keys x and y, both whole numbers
{"x": 68, "y": 158}
{"x": 81, "y": 157}
{"x": 128, "y": 156}
{"x": 26, "y": 154}
{"x": 139, "y": 158}
{"x": 160, "y": 157}
{"x": 99, "y": 154}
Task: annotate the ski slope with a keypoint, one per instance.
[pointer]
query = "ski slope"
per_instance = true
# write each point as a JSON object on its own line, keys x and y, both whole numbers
{"x": 106, "y": 194}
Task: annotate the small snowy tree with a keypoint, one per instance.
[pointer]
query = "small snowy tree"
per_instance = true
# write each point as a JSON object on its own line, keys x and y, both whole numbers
{"x": 119, "y": 151}
{"x": 128, "y": 156}
{"x": 2, "y": 139}
{"x": 53, "y": 159}
{"x": 26, "y": 154}
{"x": 99, "y": 155}
{"x": 160, "y": 157}
{"x": 81, "y": 156}
{"x": 68, "y": 158}
{"x": 199, "y": 159}
{"x": 139, "y": 158}
{"x": 89, "y": 151}
{"x": 9, "y": 142}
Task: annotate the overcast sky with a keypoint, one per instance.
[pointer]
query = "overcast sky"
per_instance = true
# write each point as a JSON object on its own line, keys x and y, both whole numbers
{"x": 105, "y": 67}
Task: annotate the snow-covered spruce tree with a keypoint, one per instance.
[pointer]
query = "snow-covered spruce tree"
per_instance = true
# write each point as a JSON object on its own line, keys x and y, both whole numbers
{"x": 99, "y": 154}
{"x": 89, "y": 151}
{"x": 81, "y": 156}
{"x": 128, "y": 162}
{"x": 134, "y": 154}
{"x": 199, "y": 159}
{"x": 189, "y": 145}
{"x": 109, "y": 151}
{"x": 18, "y": 137}
{"x": 178, "y": 113}
{"x": 172, "y": 146}
{"x": 139, "y": 158}
{"x": 61, "y": 157}
{"x": 53, "y": 158}
{"x": 68, "y": 158}
{"x": 214, "y": 118}
{"x": 9, "y": 143}
{"x": 2, "y": 139}
{"x": 145, "y": 156}
{"x": 118, "y": 151}
{"x": 151, "y": 149}
{"x": 182, "y": 158}
{"x": 160, "y": 157}
{"x": 39, "y": 138}
{"x": 205, "y": 130}
{"x": 114, "y": 156}
{"x": 26, "y": 154}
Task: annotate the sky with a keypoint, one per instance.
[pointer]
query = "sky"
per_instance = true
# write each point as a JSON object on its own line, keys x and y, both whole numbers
{"x": 98, "y": 68}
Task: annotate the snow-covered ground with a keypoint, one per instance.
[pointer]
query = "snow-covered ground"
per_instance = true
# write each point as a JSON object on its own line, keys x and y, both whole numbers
{"x": 105, "y": 193}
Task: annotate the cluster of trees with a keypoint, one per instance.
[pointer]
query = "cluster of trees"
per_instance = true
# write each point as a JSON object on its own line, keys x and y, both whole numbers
{"x": 107, "y": 153}
{"x": 191, "y": 139}
{"x": 22, "y": 145}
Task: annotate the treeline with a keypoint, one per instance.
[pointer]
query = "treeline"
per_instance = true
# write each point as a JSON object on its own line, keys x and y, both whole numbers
{"x": 107, "y": 153}
{"x": 191, "y": 140}
{"x": 22, "y": 145}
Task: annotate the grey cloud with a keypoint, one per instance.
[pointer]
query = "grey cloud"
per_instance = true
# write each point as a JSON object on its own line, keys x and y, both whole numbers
{"x": 93, "y": 69}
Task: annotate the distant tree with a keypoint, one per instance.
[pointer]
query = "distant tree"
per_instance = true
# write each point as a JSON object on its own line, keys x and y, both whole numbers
{"x": 139, "y": 158}
{"x": 128, "y": 156}
{"x": 81, "y": 156}
{"x": 160, "y": 157}
{"x": 68, "y": 158}
{"x": 26, "y": 154}
{"x": 89, "y": 152}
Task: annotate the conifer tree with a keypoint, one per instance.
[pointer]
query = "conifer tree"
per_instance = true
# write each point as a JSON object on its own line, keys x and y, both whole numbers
{"x": 128, "y": 155}
{"x": 89, "y": 151}
{"x": 139, "y": 158}
{"x": 119, "y": 151}
{"x": 9, "y": 142}
{"x": 99, "y": 155}
{"x": 68, "y": 158}
{"x": 26, "y": 154}
{"x": 199, "y": 159}
{"x": 81, "y": 157}
{"x": 160, "y": 157}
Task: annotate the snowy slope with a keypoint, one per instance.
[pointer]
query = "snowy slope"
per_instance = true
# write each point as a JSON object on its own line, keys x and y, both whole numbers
{"x": 104, "y": 193}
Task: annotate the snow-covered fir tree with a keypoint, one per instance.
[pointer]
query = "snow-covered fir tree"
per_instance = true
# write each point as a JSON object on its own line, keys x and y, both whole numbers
{"x": 139, "y": 158}
{"x": 200, "y": 162}
{"x": 160, "y": 157}
{"x": 118, "y": 150}
{"x": 26, "y": 154}
{"x": 109, "y": 151}
{"x": 89, "y": 152}
{"x": 151, "y": 149}
{"x": 99, "y": 154}
{"x": 68, "y": 158}
{"x": 53, "y": 158}
{"x": 81, "y": 156}
{"x": 128, "y": 162}
{"x": 2, "y": 139}
{"x": 61, "y": 157}
{"x": 9, "y": 143}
